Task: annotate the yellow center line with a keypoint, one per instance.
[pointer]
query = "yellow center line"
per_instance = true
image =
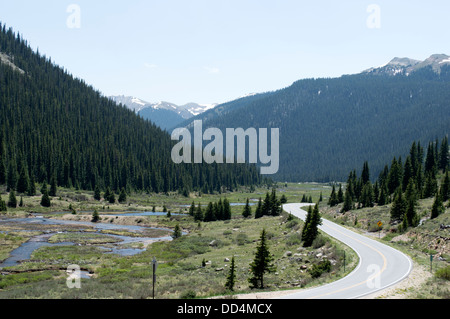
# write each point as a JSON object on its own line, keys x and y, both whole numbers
{"x": 365, "y": 281}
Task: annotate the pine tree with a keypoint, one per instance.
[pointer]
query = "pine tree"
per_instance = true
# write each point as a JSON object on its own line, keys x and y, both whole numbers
{"x": 209, "y": 213}
{"x": 12, "y": 201}
{"x": 23, "y": 181}
{"x": 12, "y": 177}
{"x": 312, "y": 227}
{"x": 198, "y": 215}
{"x": 95, "y": 217}
{"x": 192, "y": 209}
{"x": 340, "y": 194}
{"x": 275, "y": 205}
{"x": 438, "y": 207}
{"x": 443, "y": 154}
{"x": 306, "y": 223}
{"x": 333, "y": 201}
{"x": 122, "y": 196}
{"x": 231, "y": 278}
{"x": 411, "y": 204}
{"x": 262, "y": 263}
{"x": 431, "y": 185}
{"x": 267, "y": 205}
{"x": 398, "y": 209}
{"x": 3, "y": 207}
{"x": 3, "y": 173}
{"x": 45, "y": 199}
{"x": 348, "y": 203}
{"x": 367, "y": 195}
{"x": 53, "y": 187}
{"x": 247, "y": 210}
{"x": 365, "y": 175}
{"x": 259, "y": 211}
{"x": 31, "y": 191}
{"x": 112, "y": 198}
{"x": 445, "y": 188}
{"x": 177, "y": 232}
{"x": 97, "y": 195}
{"x": 226, "y": 210}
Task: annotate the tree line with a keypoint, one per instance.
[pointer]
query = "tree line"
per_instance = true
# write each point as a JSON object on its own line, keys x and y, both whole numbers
{"x": 402, "y": 183}
{"x": 56, "y": 129}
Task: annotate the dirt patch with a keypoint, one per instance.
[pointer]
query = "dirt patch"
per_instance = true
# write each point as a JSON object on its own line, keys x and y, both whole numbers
{"x": 404, "y": 289}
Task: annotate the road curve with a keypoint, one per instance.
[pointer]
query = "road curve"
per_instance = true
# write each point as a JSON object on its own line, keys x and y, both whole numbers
{"x": 380, "y": 266}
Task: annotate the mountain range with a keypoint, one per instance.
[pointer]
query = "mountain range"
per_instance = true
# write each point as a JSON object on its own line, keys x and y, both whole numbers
{"x": 328, "y": 126}
{"x": 166, "y": 115}
{"x": 55, "y": 128}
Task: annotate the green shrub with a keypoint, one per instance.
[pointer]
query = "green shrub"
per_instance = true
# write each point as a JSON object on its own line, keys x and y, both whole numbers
{"x": 189, "y": 294}
{"x": 443, "y": 273}
{"x": 317, "y": 270}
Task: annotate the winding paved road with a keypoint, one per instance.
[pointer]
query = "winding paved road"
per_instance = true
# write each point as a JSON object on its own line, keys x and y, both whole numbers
{"x": 380, "y": 266}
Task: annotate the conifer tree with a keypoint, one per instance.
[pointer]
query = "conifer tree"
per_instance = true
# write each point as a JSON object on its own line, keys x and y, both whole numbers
{"x": 445, "y": 188}
{"x": 398, "y": 209}
{"x": 348, "y": 203}
{"x": 231, "y": 278}
{"x": 444, "y": 155}
{"x": 95, "y": 217}
{"x": 23, "y": 181}
{"x": 340, "y": 194}
{"x": 198, "y": 215}
{"x": 411, "y": 203}
{"x": 45, "y": 199}
{"x": 97, "y": 195}
{"x": 259, "y": 210}
{"x": 267, "y": 205}
{"x": 365, "y": 175}
{"x": 53, "y": 186}
{"x": 3, "y": 173}
{"x": 226, "y": 210}
{"x": 31, "y": 191}
{"x": 312, "y": 227}
{"x": 438, "y": 207}
{"x": 262, "y": 263}
{"x": 247, "y": 210}
{"x": 3, "y": 207}
{"x": 333, "y": 201}
{"x": 122, "y": 196}
{"x": 209, "y": 213}
{"x": 12, "y": 201}
{"x": 192, "y": 209}
{"x": 177, "y": 232}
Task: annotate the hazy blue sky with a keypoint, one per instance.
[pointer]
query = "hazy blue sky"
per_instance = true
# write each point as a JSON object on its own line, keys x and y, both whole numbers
{"x": 213, "y": 51}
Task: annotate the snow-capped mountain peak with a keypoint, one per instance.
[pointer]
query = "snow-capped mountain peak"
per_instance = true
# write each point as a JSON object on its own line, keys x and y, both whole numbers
{"x": 406, "y": 66}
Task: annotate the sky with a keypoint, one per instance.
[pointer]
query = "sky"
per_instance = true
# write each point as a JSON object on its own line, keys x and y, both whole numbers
{"x": 213, "y": 51}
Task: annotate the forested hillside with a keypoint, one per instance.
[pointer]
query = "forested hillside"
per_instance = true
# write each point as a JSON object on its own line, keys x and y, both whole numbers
{"x": 329, "y": 126}
{"x": 53, "y": 126}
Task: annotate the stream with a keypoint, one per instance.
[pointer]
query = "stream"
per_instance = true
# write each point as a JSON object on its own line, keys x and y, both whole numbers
{"x": 24, "y": 252}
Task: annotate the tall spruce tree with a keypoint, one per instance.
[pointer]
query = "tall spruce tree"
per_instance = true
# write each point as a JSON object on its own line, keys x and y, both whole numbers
{"x": 311, "y": 227}
{"x": 247, "y": 210}
{"x": 438, "y": 207}
{"x": 398, "y": 209}
{"x": 259, "y": 209}
{"x": 444, "y": 154}
{"x": 12, "y": 201}
{"x": 262, "y": 263}
{"x": 231, "y": 278}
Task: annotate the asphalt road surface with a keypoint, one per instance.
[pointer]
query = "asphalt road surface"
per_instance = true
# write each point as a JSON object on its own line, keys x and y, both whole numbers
{"x": 380, "y": 266}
